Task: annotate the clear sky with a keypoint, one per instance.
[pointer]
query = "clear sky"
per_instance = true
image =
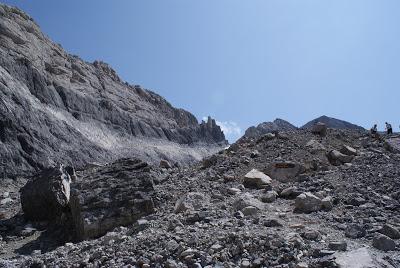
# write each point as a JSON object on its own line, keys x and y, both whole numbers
{"x": 243, "y": 62}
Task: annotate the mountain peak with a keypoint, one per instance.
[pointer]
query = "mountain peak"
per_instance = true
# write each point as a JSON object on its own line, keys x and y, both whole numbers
{"x": 332, "y": 123}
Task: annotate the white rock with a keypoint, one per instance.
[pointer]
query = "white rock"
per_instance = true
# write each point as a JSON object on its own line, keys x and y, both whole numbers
{"x": 234, "y": 191}
{"x": 307, "y": 203}
{"x": 360, "y": 258}
{"x": 256, "y": 179}
{"x": 5, "y": 201}
{"x": 347, "y": 150}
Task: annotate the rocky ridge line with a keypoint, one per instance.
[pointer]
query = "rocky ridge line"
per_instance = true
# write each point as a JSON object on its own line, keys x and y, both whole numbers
{"x": 57, "y": 108}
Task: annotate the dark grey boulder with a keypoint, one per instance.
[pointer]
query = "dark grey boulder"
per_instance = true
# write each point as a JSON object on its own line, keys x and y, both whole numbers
{"x": 46, "y": 196}
{"x": 117, "y": 194}
{"x": 93, "y": 203}
{"x": 337, "y": 158}
{"x": 338, "y": 245}
{"x": 165, "y": 164}
{"x": 285, "y": 171}
{"x": 390, "y": 231}
{"x": 347, "y": 150}
{"x": 320, "y": 129}
{"x": 383, "y": 242}
{"x": 355, "y": 231}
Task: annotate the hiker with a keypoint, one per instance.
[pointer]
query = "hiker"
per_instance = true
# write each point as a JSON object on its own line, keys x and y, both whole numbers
{"x": 389, "y": 129}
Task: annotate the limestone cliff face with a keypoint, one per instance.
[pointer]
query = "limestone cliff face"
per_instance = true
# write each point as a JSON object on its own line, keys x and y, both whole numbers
{"x": 56, "y": 107}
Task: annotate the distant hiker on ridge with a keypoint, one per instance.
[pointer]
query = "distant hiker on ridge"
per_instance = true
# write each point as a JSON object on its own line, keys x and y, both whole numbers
{"x": 389, "y": 129}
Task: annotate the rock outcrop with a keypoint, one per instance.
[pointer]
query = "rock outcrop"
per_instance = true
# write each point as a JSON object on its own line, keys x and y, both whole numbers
{"x": 320, "y": 129}
{"x": 393, "y": 144}
{"x": 98, "y": 200}
{"x": 114, "y": 195}
{"x": 57, "y": 108}
{"x": 47, "y": 195}
{"x": 269, "y": 127}
{"x": 307, "y": 203}
{"x": 284, "y": 171}
{"x": 337, "y": 158}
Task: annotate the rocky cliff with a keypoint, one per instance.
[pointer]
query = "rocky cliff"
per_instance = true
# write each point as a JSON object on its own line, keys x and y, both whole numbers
{"x": 56, "y": 107}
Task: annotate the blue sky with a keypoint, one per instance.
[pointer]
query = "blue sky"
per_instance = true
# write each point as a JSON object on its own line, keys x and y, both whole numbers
{"x": 243, "y": 62}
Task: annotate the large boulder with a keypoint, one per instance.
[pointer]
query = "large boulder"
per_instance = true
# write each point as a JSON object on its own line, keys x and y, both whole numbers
{"x": 256, "y": 179}
{"x": 337, "y": 158}
{"x": 247, "y": 200}
{"x": 46, "y": 196}
{"x": 165, "y": 164}
{"x": 192, "y": 201}
{"x": 347, "y": 150}
{"x": 319, "y": 129}
{"x": 117, "y": 194}
{"x": 355, "y": 231}
{"x": 284, "y": 171}
{"x": 315, "y": 146}
{"x": 383, "y": 242}
{"x": 98, "y": 200}
{"x": 307, "y": 203}
{"x": 390, "y": 231}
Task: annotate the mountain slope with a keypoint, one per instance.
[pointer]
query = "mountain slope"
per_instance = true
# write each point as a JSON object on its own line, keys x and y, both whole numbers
{"x": 55, "y": 107}
{"x": 332, "y": 123}
{"x": 268, "y": 127}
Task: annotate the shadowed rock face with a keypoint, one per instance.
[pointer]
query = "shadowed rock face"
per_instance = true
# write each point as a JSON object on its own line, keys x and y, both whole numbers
{"x": 47, "y": 195}
{"x": 55, "y": 107}
{"x": 106, "y": 197}
{"x": 98, "y": 200}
